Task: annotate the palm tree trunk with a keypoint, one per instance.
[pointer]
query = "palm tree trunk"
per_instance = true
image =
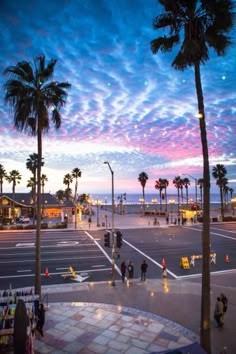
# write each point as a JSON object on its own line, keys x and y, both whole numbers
{"x": 38, "y": 227}
{"x": 14, "y": 197}
{"x": 221, "y": 202}
{"x": 205, "y": 331}
{"x": 143, "y": 200}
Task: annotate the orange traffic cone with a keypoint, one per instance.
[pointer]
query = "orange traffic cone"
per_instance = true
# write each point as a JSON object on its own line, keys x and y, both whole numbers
{"x": 227, "y": 259}
{"x": 163, "y": 263}
{"x": 47, "y": 273}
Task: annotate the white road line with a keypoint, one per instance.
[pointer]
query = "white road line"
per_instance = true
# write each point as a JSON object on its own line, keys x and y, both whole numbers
{"x": 212, "y": 273}
{"x": 55, "y": 273}
{"x": 212, "y": 233}
{"x": 105, "y": 254}
{"x": 150, "y": 259}
{"x": 26, "y": 270}
{"x": 44, "y": 253}
{"x": 98, "y": 266}
{"x": 51, "y": 259}
{"x": 216, "y": 228}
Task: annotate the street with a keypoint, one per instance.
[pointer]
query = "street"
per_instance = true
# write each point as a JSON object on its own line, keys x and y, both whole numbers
{"x": 84, "y": 251}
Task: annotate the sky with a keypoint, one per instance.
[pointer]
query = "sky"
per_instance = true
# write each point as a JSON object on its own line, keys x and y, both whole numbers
{"x": 126, "y": 105}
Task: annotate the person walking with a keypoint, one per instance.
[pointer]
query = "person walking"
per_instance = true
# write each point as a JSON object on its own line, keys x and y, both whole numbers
{"x": 41, "y": 319}
{"x": 225, "y": 303}
{"x": 130, "y": 271}
{"x": 123, "y": 271}
{"x": 218, "y": 312}
{"x": 144, "y": 267}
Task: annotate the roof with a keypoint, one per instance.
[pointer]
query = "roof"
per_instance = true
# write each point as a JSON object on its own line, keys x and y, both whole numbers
{"x": 25, "y": 199}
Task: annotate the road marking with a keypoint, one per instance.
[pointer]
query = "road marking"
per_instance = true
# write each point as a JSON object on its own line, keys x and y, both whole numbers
{"x": 26, "y": 244}
{"x": 98, "y": 266}
{"x": 150, "y": 259}
{"x": 212, "y": 273}
{"x": 26, "y": 270}
{"x": 52, "y": 259}
{"x": 216, "y": 228}
{"x": 104, "y": 252}
{"x": 55, "y": 273}
{"x": 67, "y": 243}
{"x": 213, "y": 233}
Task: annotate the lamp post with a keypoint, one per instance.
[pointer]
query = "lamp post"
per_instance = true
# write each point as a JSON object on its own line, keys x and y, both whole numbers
{"x": 195, "y": 180}
{"x": 112, "y": 223}
{"x": 171, "y": 202}
{"x": 98, "y": 223}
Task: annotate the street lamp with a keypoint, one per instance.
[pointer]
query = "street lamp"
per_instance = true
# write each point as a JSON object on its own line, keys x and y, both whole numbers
{"x": 112, "y": 223}
{"x": 195, "y": 180}
{"x": 98, "y": 223}
{"x": 171, "y": 202}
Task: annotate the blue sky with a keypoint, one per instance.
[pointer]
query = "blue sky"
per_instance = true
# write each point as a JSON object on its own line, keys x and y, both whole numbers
{"x": 126, "y": 105}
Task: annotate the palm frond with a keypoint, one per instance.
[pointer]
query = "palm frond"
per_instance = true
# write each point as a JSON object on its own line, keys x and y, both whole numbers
{"x": 56, "y": 118}
{"x": 165, "y": 44}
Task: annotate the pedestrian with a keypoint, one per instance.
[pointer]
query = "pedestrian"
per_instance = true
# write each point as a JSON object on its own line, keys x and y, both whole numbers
{"x": 40, "y": 319}
{"x": 192, "y": 261}
{"x": 213, "y": 258}
{"x": 144, "y": 267}
{"x": 130, "y": 271}
{"x": 164, "y": 272}
{"x": 225, "y": 303}
{"x": 123, "y": 271}
{"x": 218, "y": 312}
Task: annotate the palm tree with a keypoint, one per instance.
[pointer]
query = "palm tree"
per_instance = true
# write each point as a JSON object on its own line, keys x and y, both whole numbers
{"x": 159, "y": 187}
{"x": 165, "y": 184}
{"x": 68, "y": 179}
{"x": 3, "y": 175}
{"x": 34, "y": 98}
{"x": 14, "y": 177}
{"x": 43, "y": 180}
{"x": 142, "y": 178}
{"x": 177, "y": 182}
{"x": 76, "y": 173}
{"x": 186, "y": 183}
{"x": 200, "y": 184}
{"x": 219, "y": 172}
{"x": 32, "y": 165}
{"x": 197, "y": 26}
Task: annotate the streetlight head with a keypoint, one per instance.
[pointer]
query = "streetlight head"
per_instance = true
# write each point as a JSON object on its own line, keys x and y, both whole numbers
{"x": 105, "y": 162}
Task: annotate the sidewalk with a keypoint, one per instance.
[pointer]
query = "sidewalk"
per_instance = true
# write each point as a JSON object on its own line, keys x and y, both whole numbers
{"x": 142, "y": 318}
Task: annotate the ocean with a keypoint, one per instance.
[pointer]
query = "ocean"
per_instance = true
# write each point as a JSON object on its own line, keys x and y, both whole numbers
{"x": 153, "y": 198}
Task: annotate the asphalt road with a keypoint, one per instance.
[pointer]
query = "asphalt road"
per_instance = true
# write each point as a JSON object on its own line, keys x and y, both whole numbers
{"x": 85, "y": 252}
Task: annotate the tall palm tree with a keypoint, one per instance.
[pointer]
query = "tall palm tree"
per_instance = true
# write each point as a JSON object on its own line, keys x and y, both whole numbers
{"x": 219, "y": 172}
{"x": 142, "y": 178}
{"x": 197, "y": 26}
{"x": 32, "y": 165}
{"x": 14, "y": 177}
{"x": 35, "y": 98}
{"x": 159, "y": 187}
{"x": 165, "y": 184}
{"x": 43, "y": 180}
{"x": 76, "y": 173}
{"x": 186, "y": 184}
{"x": 200, "y": 184}
{"x": 68, "y": 179}
{"x": 3, "y": 175}
{"x": 177, "y": 182}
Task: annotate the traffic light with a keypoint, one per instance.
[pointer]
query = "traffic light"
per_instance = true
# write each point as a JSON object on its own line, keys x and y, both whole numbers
{"x": 73, "y": 211}
{"x": 118, "y": 239}
{"x": 107, "y": 240}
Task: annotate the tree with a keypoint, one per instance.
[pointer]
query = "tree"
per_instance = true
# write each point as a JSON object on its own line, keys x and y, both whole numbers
{"x": 197, "y": 26}
{"x": 3, "y": 175}
{"x": 76, "y": 173}
{"x": 142, "y": 178}
{"x": 200, "y": 184}
{"x": 60, "y": 195}
{"x": 186, "y": 183}
{"x": 68, "y": 179}
{"x": 43, "y": 180}
{"x": 219, "y": 172}
{"x": 159, "y": 187}
{"x": 177, "y": 182}
{"x": 14, "y": 177}
{"x": 34, "y": 99}
{"x": 32, "y": 165}
{"x": 165, "y": 184}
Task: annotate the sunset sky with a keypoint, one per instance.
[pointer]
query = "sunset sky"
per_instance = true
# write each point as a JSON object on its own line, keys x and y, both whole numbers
{"x": 126, "y": 105}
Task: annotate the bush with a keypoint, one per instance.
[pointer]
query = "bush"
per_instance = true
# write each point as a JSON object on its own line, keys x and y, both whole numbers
{"x": 230, "y": 218}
